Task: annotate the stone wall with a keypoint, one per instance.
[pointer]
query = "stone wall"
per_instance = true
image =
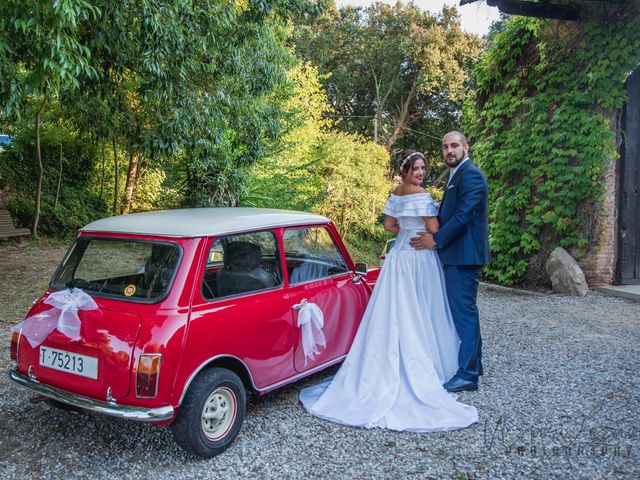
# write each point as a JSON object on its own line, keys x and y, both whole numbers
{"x": 599, "y": 265}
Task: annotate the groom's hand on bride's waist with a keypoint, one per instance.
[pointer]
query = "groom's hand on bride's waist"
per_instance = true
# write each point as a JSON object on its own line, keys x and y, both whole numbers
{"x": 422, "y": 241}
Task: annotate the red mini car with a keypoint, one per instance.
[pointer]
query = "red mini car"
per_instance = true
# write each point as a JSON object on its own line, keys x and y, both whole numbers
{"x": 172, "y": 317}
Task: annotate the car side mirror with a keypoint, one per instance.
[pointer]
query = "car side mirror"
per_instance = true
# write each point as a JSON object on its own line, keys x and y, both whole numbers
{"x": 361, "y": 271}
{"x": 361, "y": 268}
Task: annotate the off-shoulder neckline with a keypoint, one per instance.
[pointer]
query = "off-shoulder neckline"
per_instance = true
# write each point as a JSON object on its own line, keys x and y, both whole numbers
{"x": 410, "y": 194}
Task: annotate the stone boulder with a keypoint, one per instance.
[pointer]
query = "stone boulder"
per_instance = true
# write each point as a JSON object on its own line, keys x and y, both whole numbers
{"x": 565, "y": 274}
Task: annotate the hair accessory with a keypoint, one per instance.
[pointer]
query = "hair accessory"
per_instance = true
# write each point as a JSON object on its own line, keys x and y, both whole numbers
{"x": 409, "y": 157}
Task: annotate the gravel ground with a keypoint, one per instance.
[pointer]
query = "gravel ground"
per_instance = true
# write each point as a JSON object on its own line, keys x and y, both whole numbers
{"x": 560, "y": 398}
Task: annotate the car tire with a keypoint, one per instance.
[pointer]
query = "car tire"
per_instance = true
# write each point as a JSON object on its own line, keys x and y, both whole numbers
{"x": 211, "y": 414}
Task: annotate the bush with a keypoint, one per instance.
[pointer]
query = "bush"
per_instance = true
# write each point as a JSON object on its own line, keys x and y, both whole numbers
{"x": 355, "y": 184}
{"x": 366, "y": 246}
{"x": 75, "y": 209}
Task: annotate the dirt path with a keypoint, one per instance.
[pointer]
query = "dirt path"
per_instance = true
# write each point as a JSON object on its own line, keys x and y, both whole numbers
{"x": 26, "y": 267}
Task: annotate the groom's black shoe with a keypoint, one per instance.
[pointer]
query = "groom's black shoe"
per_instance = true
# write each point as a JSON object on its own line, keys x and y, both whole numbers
{"x": 457, "y": 384}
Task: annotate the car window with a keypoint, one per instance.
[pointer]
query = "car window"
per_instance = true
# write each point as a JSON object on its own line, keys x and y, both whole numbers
{"x": 238, "y": 264}
{"x": 129, "y": 269}
{"x": 311, "y": 254}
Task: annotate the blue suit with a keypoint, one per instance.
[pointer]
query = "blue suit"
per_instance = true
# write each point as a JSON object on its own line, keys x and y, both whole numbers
{"x": 463, "y": 247}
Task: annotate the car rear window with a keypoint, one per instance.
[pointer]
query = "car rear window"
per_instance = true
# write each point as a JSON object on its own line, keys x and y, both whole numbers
{"x": 129, "y": 269}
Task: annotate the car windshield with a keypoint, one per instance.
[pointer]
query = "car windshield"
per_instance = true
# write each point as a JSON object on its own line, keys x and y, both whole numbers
{"x": 130, "y": 269}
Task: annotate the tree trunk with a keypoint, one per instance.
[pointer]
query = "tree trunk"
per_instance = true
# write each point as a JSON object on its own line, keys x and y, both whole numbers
{"x": 115, "y": 183}
{"x": 142, "y": 166}
{"x": 376, "y": 119}
{"x": 132, "y": 176}
{"x": 102, "y": 179}
{"x": 402, "y": 117}
{"x": 36, "y": 216}
{"x": 380, "y": 102}
{"x": 55, "y": 203}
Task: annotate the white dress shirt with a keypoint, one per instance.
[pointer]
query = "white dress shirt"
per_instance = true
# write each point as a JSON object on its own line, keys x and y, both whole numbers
{"x": 453, "y": 171}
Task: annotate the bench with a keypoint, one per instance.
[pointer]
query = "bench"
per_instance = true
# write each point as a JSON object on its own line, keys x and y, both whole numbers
{"x": 6, "y": 226}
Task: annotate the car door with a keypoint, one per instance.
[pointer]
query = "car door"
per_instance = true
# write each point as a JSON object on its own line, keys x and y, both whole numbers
{"x": 319, "y": 274}
{"x": 243, "y": 309}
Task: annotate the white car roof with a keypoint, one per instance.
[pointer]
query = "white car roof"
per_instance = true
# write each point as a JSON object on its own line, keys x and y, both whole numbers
{"x": 201, "y": 222}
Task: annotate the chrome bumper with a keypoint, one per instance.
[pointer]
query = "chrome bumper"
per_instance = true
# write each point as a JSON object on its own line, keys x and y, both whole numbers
{"x": 108, "y": 408}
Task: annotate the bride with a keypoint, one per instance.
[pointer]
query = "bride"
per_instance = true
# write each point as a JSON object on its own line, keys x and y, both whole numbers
{"x": 406, "y": 346}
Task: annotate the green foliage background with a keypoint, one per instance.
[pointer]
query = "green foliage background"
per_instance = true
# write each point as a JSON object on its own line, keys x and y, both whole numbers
{"x": 542, "y": 130}
{"x": 319, "y": 169}
{"x": 218, "y": 107}
{"x": 77, "y": 205}
{"x": 184, "y": 91}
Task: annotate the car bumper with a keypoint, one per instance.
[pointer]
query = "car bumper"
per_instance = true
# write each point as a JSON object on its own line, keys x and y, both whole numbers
{"x": 161, "y": 414}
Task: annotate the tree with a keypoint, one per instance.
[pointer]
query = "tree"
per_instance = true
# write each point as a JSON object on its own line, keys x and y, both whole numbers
{"x": 40, "y": 56}
{"x": 162, "y": 81}
{"x": 354, "y": 181}
{"x": 398, "y": 75}
{"x": 69, "y": 180}
{"x": 282, "y": 179}
{"x": 340, "y": 175}
{"x": 199, "y": 88}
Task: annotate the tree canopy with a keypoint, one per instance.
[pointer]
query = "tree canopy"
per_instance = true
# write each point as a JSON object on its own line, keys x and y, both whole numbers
{"x": 398, "y": 75}
{"x": 186, "y": 82}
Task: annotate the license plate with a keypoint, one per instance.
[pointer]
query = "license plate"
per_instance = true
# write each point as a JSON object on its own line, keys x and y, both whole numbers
{"x": 69, "y": 362}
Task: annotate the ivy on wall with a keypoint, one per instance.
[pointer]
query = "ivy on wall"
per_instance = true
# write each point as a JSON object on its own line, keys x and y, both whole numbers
{"x": 542, "y": 133}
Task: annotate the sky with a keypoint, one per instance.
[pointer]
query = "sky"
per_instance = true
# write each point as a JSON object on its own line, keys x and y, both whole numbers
{"x": 475, "y": 18}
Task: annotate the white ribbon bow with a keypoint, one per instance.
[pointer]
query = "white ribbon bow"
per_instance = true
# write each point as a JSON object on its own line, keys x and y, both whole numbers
{"x": 311, "y": 321}
{"x": 63, "y": 316}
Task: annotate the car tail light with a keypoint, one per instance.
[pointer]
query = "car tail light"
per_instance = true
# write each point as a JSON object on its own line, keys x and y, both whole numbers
{"x": 147, "y": 375}
{"x": 14, "y": 346}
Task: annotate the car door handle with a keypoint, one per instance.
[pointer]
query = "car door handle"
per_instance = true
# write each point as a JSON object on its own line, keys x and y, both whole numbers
{"x": 298, "y": 306}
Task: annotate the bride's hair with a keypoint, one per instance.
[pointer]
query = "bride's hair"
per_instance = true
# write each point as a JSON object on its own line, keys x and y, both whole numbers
{"x": 408, "y": 158}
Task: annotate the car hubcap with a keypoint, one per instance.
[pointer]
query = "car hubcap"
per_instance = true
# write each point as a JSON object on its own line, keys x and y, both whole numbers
{"x": 218, "y": 413}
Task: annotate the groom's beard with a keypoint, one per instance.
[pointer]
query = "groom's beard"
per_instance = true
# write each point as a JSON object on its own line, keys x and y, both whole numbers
{"x": 454, "y": 160}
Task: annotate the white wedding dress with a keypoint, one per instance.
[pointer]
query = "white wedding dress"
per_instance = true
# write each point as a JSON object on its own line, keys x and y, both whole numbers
{"x": 406, "y": 346}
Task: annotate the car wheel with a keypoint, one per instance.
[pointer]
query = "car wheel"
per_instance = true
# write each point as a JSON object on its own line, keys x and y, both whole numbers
{"x": 211, "y": 415}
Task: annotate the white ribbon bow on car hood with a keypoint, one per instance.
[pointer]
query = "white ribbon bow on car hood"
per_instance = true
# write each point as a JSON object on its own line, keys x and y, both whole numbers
{"x": 63, "y": 316}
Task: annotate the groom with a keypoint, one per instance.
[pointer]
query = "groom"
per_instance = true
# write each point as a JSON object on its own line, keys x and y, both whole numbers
{"x": 463, "y": 247}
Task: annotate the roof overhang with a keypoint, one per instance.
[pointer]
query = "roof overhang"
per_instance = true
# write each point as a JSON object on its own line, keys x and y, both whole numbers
{"x": 560, "y": 10}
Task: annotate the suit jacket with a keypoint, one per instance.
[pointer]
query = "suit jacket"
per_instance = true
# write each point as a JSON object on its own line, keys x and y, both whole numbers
{"x": 463, "y": 238}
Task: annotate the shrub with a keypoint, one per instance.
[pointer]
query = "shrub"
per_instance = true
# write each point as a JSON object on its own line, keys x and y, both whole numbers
{"x": 75, "y": 209}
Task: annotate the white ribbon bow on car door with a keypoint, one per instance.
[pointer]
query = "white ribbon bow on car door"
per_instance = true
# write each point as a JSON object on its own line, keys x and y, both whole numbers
{"x": 311, "y": 321}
